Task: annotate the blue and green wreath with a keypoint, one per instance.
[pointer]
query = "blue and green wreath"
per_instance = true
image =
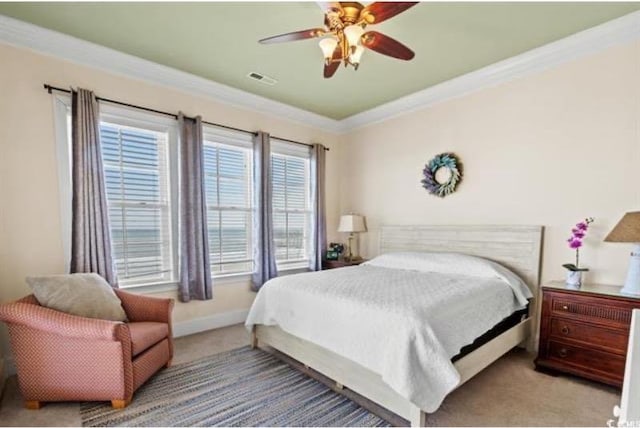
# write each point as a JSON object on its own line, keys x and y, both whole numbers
{"x": 443, "y": 160}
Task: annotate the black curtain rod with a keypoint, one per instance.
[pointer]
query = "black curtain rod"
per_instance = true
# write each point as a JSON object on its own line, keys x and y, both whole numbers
{"x": 50, "y": 88}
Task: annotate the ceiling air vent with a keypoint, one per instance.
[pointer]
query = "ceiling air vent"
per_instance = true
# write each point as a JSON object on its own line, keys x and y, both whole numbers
{"x": 262, "y": 78}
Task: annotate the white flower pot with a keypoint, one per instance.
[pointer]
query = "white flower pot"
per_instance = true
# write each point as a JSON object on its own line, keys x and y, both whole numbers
{"x": 574, "y": 279}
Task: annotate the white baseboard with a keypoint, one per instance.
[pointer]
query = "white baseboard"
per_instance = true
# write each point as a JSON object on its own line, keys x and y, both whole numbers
{"x": 185, "y": 328}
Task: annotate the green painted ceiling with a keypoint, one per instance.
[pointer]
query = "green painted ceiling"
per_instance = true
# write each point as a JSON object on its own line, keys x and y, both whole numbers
{"x": 218, "y": 41}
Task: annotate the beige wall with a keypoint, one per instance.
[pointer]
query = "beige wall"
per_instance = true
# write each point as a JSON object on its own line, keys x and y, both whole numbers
{"x": 30, "y": 227}
{"x": 548, "y": 149}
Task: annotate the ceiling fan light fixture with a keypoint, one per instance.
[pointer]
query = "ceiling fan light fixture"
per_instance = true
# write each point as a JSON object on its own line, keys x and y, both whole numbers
{"x": 328, "y": 45}
{"x": 355, "y": 56}
{"x": 353, "y": 33}
{"x": 344, "y": 38}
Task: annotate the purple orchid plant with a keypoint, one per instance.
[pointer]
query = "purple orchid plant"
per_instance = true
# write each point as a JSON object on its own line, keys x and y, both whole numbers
{"x": 578, "y": 233}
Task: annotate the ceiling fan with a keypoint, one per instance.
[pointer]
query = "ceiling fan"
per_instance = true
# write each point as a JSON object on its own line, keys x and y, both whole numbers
{"x": 344, "y": 37}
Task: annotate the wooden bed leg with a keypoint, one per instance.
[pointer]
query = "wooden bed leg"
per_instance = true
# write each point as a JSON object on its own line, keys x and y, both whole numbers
{"x": 32, "y": 404}
{"x": 254, "y": 338}
{"x": 418, "y": 417}
{"x": 120, "y": 404}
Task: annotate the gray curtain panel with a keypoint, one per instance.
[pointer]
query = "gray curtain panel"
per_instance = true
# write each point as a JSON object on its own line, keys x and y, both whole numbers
{"x": 90, "y": 233}
{"x": 264, "y": 256}
{"x": 195, "y": 271}
{"x": 319, "y": 223}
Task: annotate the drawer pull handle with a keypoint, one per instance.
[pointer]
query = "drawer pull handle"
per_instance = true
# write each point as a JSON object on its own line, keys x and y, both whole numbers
{"x": 565, "y": 307}
{"x": 564, "y": 329}
{"x": 563, "y": 352}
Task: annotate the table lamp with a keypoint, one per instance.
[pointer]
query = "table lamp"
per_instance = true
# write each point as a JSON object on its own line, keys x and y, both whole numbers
{"x": 351, "y": 223}
{"x": 628, "y": 230}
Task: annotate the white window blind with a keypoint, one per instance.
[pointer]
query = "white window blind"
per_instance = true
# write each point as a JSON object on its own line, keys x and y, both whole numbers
{"x": 291, "y": 204}
{"x": 227, "y": 169}
{"x": 137, "y": 182}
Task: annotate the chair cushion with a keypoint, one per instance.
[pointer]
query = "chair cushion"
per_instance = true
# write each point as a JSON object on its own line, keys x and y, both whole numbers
{"x": 146, "y": 334}
{"x": 83, "y": 294}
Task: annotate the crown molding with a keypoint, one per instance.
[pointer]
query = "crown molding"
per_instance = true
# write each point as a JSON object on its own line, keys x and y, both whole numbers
{"x": 52, "y": 43}
{"x": 618, "y": 31}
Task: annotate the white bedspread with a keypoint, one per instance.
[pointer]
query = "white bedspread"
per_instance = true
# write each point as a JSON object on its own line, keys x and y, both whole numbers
{"x": 403, "y": 324}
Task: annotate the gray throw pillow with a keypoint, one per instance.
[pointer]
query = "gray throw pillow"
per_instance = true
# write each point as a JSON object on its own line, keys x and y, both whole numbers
{"x": 83, "y": 294}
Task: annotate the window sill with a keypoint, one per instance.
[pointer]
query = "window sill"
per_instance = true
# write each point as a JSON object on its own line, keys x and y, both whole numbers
{"x": 296, "y": 264}
{"x": 292, "y": 270}
{"x": 232, "y": 278}
{"x": 163, "y": 287}
{"x": 151, "y": 288}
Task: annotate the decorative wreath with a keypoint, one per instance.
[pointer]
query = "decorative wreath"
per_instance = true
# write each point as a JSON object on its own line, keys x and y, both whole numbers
{"x": 443, "y": 160}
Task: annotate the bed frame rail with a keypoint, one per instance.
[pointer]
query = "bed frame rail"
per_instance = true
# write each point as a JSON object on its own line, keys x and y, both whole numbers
{"x": 347, "y": 374}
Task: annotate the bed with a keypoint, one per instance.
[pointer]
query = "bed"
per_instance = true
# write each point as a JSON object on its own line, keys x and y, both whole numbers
{"x": 375, "y": 330}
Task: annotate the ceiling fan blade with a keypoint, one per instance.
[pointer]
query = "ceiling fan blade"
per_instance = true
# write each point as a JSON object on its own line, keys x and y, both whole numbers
{"x": 330, "y": 70}
{"x": 380, "y": 11}
{"x": 329, "y": 6}
{"x": 386, "y": 45}
{"x": 296, "y": 35}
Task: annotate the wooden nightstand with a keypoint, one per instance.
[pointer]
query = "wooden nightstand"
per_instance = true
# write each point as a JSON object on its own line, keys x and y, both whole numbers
{"x": 332, "y": 264}
{"x": 585, "y": 332}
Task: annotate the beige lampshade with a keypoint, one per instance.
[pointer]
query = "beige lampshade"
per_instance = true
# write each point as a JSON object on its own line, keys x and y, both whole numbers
{"x": 627, "y": 229}
{"x": 352, "y": 223}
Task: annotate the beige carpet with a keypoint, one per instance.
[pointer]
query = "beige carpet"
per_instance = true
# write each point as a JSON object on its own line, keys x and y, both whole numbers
{"x": 508, "y": 393}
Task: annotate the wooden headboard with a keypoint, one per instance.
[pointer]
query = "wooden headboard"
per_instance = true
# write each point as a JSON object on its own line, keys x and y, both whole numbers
{"x": 515, "y": 247}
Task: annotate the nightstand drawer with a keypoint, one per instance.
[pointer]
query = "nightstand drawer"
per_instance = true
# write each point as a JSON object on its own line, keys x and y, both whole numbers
{"x": 589, "y": 310}
{"x": 615, "y": 341}
{"x": 611, "y": 365}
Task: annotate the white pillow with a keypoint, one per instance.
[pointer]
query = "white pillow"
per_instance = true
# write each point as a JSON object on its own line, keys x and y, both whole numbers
{"x": 454, "y": 264}
{"x": 83, "y": 294}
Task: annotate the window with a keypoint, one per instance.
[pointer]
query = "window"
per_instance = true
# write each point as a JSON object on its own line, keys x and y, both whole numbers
{"x": 227, "y": 170}
{"x": 140, "y": 154}
{"x": 137, "y": 180}
{"x": 291, "y": 204}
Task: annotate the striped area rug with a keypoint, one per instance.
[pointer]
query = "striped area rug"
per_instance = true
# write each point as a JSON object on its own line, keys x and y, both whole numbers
{"x": 243, "y": 387}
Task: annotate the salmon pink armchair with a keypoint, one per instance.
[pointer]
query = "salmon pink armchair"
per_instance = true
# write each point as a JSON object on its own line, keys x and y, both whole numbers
{"x": 62, "y": 357}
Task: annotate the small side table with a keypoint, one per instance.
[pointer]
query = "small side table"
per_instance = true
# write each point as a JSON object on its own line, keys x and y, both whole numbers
{"x": 333, "y": 264}
{"x": 585, "y": 332}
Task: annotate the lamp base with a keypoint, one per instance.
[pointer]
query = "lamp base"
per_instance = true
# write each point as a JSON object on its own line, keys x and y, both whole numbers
{"x": 349, "y": 255}
{"x": 632, "y": 284}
